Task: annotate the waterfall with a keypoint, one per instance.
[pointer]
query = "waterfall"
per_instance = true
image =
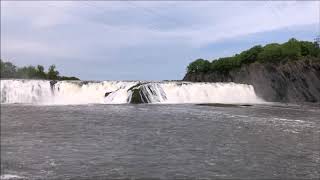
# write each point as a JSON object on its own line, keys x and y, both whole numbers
{"x": 209, "y": 93}
{"x": 91, "y": 92}
{"x": 25, "y": 91}
{"x": 119, "y": 92}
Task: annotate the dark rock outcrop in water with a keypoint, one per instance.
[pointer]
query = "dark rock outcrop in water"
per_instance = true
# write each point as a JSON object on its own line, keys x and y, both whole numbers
{"x": 293, "y": 81}
{"x": 107, "y": 94}
{"x": 146, "y": 93}
{"x": 52, "y": 83}
{"x": 137, "y": 96}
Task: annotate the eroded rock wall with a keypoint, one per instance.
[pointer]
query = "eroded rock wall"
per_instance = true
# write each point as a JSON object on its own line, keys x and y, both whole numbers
{"x": 294, "y": 81}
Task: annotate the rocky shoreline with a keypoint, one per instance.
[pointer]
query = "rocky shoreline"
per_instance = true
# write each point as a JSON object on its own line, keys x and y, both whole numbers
{"x": 292, "y": 81}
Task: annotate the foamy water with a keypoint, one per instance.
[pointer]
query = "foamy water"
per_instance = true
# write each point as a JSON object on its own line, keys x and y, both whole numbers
{"x": 119, "y": 92}
{"x": 10, "y": 176}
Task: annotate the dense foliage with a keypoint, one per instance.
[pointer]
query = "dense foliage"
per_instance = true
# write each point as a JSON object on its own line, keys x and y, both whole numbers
{"x": 9, "y": 70}
{"x": 270, "y": 53}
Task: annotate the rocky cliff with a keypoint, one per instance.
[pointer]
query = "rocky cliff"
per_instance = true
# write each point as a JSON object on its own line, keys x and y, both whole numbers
{"x": 293, "y": 81}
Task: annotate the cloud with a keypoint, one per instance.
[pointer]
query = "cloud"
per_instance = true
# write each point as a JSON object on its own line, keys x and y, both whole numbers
{"x": 26, "y": 47}
{"x": 38, "y": 14}
{"x": 132, "y": 32}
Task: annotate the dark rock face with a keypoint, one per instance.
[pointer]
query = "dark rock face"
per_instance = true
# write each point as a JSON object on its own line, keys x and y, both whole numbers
{"x": 107, "y": 94}
{"x": 137, "y": 96}
{"x": 295, "y": 81}
{"x": 52, "y": 83}
{"x": 144, "y": 92}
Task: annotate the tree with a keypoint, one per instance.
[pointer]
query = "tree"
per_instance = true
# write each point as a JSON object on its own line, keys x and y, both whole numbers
{"x": 28, "y": 72}
{"x": 52, "y": 73}
{"x": 7, "y": 70}
{"x": 199, "y": 65}
{"x": 274, "y": 53}
{"x": 40, "y": 72}
{"x": 225, "y": 64}
{"x": 251, "y": 55}
{"x": 270, "y": 53}
{"x": 68, "y": 78}
{"x": 308, "y": 48}
{"x": 291, "y": 49}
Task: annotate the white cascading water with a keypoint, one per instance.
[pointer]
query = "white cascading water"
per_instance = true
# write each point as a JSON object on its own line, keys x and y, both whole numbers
{"x": 24, "y": 91}
{"x": 185, "y": 92}
{"x": 91, "y": 93}
{"x": 118, "y": 92}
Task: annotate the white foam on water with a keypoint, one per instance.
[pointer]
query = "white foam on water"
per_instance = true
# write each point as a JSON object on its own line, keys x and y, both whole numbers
{"x": 9, "y": 176}
{"x": 24, "y": 91}
{"x": 209, "y": 93}
{"x": 118, "y": 92}
{"x": 92, "y": 92}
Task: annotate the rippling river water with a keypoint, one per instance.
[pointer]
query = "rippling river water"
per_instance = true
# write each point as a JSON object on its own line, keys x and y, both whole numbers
{"x": 160, "y": 142}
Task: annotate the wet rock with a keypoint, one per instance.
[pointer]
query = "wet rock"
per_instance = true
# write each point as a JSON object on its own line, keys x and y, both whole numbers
{"x": 137, "y": 96}
{"x": 52, "y": 83}
{"x": 107, "y": 94}
{"x": 293, "y": 81}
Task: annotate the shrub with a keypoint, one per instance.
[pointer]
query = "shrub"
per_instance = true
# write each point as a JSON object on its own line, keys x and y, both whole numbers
{"x": 199, "y": 65}
{"x": 270, "y": 53}
{"x": 8, "y": 70}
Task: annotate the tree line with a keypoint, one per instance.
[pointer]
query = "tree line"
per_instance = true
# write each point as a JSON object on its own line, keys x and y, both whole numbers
{"x": 271, "y": 53}
{"x": 9, "y": 70}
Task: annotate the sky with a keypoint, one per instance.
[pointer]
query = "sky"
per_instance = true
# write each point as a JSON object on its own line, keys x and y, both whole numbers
{"x": 145, "y": 40}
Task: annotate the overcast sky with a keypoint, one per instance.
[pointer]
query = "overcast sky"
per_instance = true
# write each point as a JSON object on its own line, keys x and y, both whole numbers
{"x": 150, "y": 40}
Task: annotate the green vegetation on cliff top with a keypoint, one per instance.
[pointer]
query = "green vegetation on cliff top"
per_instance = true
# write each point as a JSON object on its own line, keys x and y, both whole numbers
{"x": 9, "y": 70}
{"x": 270, "y": 53}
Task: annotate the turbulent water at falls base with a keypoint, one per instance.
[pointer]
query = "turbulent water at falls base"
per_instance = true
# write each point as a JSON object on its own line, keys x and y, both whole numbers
{"x": 119, "y": 92}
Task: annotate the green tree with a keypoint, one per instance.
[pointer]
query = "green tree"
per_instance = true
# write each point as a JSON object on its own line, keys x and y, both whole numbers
{"x": 28, "y": 72}
{"x": 7, "y": 70}
{"x": 309, "y": 48}
{"x": 40, "y": 72}
{"x": 291, "y": 49}
{"x": 270, "y": 53}
{"x": 274, "y": 53}
{"x": 199, "y": 65}
{"x": 68, "y": 78}
{"x": 225, "y": 64}
{"x": 52, "y": 73}
{"x": 251, "y": 55}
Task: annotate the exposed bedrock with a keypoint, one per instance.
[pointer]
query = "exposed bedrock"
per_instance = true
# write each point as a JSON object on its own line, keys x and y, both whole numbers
{"x": 295, "y": 81}
{"x": 52, "y": 83}
{"x": 107, "y": 94}
{"x": 137, "y": 97}
{"x": 146, "y": 93}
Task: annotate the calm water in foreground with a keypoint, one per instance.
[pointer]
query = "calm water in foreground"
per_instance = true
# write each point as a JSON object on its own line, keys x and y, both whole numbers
{"x": 160, "y": 141}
